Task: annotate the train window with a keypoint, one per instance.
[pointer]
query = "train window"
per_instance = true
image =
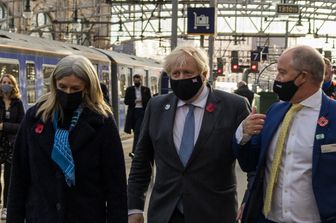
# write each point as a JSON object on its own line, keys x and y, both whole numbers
{"x": 154, "y": 85}
{"x": 30, "y": 85}
{"x": 9, "y": 67}
{"x": 122, "y": 85}
{"x": 46, "y": 71}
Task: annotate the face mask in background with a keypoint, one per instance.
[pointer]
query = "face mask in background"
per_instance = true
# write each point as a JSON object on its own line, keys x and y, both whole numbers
{"x": 6, "y": 88}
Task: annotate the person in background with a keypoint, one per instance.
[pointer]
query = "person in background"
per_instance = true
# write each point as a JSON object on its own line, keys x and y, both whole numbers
{"x": 136, "y": 97}
{"x": 329, "y": 85}
{"x": 292, "y": 147}
{"x": 243, "y": 90}
{"x": 188, "y": 135}
{"x": 105, "y": 92}
{"x": 68, "y": 163}
{"x": 11, "y": 115}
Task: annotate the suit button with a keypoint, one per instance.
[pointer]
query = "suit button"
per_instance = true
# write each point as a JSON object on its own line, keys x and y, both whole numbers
{"x": 58, "y": 206}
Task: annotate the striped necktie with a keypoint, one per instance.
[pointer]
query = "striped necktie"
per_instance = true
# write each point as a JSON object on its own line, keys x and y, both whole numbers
{"x": 281, "y": 143}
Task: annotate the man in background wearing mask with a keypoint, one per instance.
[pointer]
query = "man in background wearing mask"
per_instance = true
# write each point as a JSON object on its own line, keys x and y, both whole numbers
{"x": 292, "y": 147}
{"x": 189, "y": 134}
{"x": 329, "y": 86}
{"x": 136, "y": 97}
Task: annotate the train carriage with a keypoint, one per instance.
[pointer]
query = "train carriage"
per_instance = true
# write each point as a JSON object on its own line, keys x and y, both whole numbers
{"x": 31, "y": 60}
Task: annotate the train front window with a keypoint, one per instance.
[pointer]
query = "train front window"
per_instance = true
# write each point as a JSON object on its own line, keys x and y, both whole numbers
{"x": 30, "y": 85}
{"x": 47, "y": 70}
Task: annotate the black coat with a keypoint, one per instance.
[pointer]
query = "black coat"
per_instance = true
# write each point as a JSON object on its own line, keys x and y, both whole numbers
{"x": 38, "y": 192}
{"x": 16, "y": 113}
{"x": 245, "y": 92}
{"x": 130, "y": 101}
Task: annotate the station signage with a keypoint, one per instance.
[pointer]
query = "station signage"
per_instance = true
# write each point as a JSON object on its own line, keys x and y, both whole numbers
{"x": 201, "y": 21}
{"x": 285, "y": 9}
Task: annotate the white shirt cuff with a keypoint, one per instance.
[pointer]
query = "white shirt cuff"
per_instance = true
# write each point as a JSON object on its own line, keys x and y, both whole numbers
{"x": 242, "y": 138}
{"x": 135, "y": 211}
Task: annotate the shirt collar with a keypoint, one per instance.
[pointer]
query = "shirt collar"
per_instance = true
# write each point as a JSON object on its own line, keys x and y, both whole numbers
{"x": 200, "y": 101}
{"x": 313, "y": 101}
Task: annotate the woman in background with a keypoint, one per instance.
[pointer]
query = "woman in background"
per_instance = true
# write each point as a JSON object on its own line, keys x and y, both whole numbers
{"x": 11, "y": 115}
{"x": 68, "y": 163}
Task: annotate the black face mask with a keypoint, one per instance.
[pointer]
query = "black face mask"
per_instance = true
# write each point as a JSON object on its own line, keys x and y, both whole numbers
{"x": 69, "y": 101}
{"x": 285, "y": 90}
{"x": 137, "y": 84}
{"x": 185, "y": 89}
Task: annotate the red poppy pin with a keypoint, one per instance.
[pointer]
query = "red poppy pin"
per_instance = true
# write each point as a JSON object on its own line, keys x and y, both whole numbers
{"x": 39, "y": 128}
{"x": 322, "y": 121}
{"x": 210, "y": 107}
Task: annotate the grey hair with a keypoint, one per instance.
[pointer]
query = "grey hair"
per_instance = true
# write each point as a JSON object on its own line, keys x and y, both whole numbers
{"x": 306, "y": 58}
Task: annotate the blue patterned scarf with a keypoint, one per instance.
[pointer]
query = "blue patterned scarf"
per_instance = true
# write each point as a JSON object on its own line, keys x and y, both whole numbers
{"x": 61, "y": 152}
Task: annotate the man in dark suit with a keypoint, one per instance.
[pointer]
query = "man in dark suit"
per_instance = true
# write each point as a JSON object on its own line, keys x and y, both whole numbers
{"x": 292, "y": 148}
{"x": 189, "y": 135}
{"x": 243, "y": 90}
{"x": 136, "y": 97}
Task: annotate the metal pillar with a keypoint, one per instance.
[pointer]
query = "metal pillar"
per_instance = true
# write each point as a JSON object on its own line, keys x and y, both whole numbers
{"x": 173, "y": 43}
{"x": 213, "y": 3}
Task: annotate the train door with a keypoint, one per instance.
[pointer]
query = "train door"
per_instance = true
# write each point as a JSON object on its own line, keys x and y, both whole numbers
{"x": 30, "y": 82}
{"x": 146, "y": 79}
{"x": 46, "y": 73}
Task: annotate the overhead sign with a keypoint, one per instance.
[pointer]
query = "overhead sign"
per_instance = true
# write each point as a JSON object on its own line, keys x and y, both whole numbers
{"x": 285, "y": 9}
{"x": 259, "y": 54}
{"x": 201, "y": 21}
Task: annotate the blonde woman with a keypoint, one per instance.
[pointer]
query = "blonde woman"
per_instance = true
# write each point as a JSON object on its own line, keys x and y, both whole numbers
{"x": 68, "y": 163}
{"x": 11, "y": 115}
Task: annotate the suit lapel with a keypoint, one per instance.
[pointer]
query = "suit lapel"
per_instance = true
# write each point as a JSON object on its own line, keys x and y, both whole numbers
{"x": 320, "y": 132}
{"x": 271, "y": 127}
{"x": 208, "y": 123}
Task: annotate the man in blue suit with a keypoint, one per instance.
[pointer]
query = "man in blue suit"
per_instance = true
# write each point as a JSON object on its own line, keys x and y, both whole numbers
{"x": 297, "y": 184}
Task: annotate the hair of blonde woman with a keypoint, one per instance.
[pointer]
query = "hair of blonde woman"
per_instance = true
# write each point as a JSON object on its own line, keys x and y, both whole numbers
{"x": 82, "y": 68}
{"x": 178, "y": 57}
{"x": 15, "y": 93}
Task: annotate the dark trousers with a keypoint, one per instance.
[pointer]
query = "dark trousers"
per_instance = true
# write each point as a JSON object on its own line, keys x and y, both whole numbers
{"x": 7, "y": 168}
{"x": 177, "y": 217}
{"x": 138, "y": 115}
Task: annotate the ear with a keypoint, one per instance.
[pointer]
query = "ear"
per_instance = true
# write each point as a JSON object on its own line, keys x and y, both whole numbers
{"x": 204, "y": 75}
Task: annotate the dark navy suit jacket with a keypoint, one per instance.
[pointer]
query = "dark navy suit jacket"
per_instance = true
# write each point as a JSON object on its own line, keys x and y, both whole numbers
{"x": 252, "y": 156}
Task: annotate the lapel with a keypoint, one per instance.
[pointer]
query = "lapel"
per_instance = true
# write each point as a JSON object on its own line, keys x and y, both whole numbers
{"x": 271, "y": 126}
{"x": 320, "y": 131}
{"x": 208, "y": 124}
{"x": 167, "y": 125}
{"x": 80, "y": 136}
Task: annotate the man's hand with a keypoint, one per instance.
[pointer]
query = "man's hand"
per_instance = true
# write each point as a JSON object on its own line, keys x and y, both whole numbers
{"x": 240, "y": 212}
{"x": 136, "y": 218}
{"x": 253, "y": 124}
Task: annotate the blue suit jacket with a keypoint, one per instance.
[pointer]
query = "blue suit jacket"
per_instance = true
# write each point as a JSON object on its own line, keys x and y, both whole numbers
{"x": 252, "y": 156}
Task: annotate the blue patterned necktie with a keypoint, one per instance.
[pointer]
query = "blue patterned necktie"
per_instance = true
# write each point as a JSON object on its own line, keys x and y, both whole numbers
{"x": 61, "y": 153}
{"x": 188, "y": 136}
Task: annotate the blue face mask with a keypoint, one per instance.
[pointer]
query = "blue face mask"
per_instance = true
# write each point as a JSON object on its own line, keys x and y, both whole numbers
{"x": 6, "y": 88}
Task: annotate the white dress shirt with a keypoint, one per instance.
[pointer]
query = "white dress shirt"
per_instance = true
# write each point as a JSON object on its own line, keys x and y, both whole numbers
{"x": 181, "y": 114}
{"x": 138, "y": 97}
{"x": 293, "y": 198}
